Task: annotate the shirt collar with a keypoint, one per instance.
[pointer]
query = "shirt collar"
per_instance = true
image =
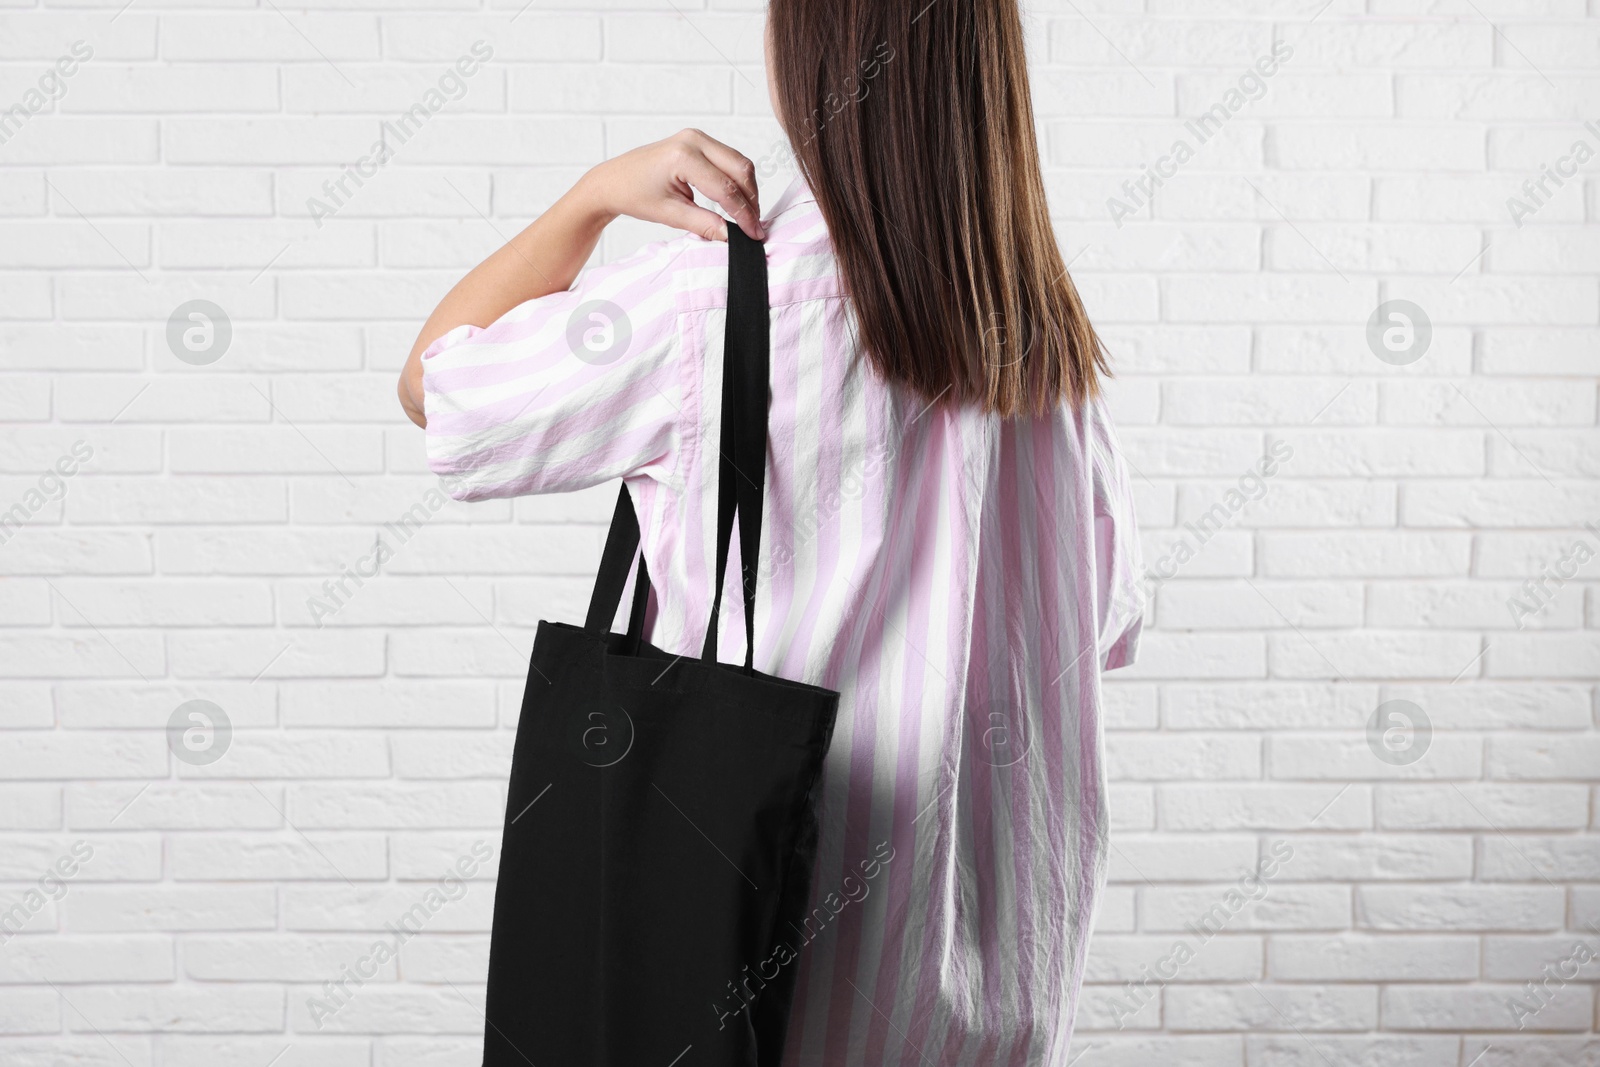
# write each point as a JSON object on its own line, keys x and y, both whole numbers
{"x": 796, "y": 194}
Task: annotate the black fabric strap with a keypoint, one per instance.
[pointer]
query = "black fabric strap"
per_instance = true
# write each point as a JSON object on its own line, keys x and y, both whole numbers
{"x": 741, "y": 469}
{"x": 743, "y": 463}
{"x": 621, "y": 543}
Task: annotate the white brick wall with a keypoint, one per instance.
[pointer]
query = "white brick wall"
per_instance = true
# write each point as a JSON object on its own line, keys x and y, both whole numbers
{"x": 369, "y": 754}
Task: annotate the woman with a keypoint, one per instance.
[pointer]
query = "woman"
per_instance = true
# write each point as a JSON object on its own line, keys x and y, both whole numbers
{"x": 949, "y": 538}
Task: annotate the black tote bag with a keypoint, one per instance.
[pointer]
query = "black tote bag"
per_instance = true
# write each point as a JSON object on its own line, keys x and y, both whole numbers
{"x": 661, "y": 819}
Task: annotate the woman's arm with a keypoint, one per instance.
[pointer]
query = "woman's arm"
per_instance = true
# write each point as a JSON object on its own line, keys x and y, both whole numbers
{"x": 655, "y": 183}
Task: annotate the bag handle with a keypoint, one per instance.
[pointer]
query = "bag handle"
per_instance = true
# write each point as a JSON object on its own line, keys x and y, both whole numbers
{"x": 742, "y": 475}
{"x": 741, "y": 470}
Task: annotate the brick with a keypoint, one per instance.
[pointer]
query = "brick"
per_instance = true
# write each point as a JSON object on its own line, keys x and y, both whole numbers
{"x": 67, "y": 958}
{"x": 173, "y": 89}
{"x": 59, "y": 754}
{"x": 1222, "y": 605}
{"x": 1264, "y": 298}
{"x": 1133, "y": 807}
{"x": 1370, "y": 655}
{"x": 1134, "y": 144}
{"x": 535, "y": 36}
{"x": 1547, "y": 453}
{"x": 1482, "y": 806}
{"x": 1517, "y": 959}
{"x": 171, "y": 908}
{"x": 1387, "y": 147}
{"x": 396, "y": 805}
{"x": 1458, "y": 198}
{"x": 166, "y": 603}
{"x": 468, "y": 908}
{"x": 1500, "y": 503}
{"x": 1526, "y": 859}
{"x": 1272, "y": 1007}
{"x": 1347, "y": 758}
{"x": 141, "y": 192}
{"x": 1247, "y": 402}
{"x": 1135, "y": 757}
{"x": 238, "y": 1050}
{"x": 1451, "y": 1008}
{"x": 1385, "y": 247}
{"x": 252, "y": 655}
{"x": 1501, "y": 94}
{"x": 168, "y": 1009}
{"x": 174, "y": 806}
{"x": 1123, "y": 958}
{"x": 1379, "y": 857}
{"x": 1459, "y": 907}
{"x": 1539, "y": 1051}
{"x": 1160, "y": 42}
{"x": 264, "y": 754}
{"x": 1495, "y": 403}
{"x": 1463, "y": 606}
{"x": 149, "y": 705}
{"x": 1264, "y": 807}
{"x": 1388, "y": 1050}
{"x": 75, "y": 859}
{"x": 1199, "y": 656}
{"x": 1501, "y": 706}
{"x": 276, "y": 957}
{"x": 1147, "y": 858}
{"x": 31, "y": 1011}
{"x": 1548, "y": 756}
{"x": 237, "y": 35}
{"x": 1188, "y": 706}
{"x": 453, "y": 755}
{"x": 1296, "y": 350}
{"x": 391, "y": 92}
{"x": 29, "y": 807}
{"x": 1419, "y": 44}
{"x": 1552, "y": 656}
{"x": 1384, "y": 453}
{"x": 1561, "y": 351}
{"x": 1276, "y": 907}
{"x": 412, "y": 703}
{"x": 324, "y": 858}
{"x": 1186, "y": 1050}
{"x": 1371, "y": 958}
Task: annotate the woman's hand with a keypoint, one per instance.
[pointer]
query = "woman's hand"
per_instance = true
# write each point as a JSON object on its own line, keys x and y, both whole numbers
{"x": 657, "y": 183}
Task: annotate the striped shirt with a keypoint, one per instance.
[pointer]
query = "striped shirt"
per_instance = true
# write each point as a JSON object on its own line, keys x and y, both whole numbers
{"x": 961, "y": 580}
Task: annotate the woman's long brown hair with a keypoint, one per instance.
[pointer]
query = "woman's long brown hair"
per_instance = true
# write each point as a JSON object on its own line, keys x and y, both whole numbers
{"x": 913, "y": 123}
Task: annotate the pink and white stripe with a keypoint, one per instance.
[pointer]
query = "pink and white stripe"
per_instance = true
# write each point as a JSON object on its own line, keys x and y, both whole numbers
{"x": 960, "y": 580}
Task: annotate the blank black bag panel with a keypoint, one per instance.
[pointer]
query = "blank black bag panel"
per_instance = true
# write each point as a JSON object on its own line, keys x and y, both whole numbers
{"x": 661, "y": 823}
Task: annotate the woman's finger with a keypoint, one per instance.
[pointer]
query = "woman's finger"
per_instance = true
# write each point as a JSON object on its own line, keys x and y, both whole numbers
{"x": 733, "y": 163}
{"x": 722, "y": 187}
{"x": 687, "y": 215}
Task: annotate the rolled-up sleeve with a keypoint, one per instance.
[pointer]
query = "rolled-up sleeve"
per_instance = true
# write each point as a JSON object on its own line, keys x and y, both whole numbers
{"x": 564, "y": 392}
{"x": 1119, "y": 565}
